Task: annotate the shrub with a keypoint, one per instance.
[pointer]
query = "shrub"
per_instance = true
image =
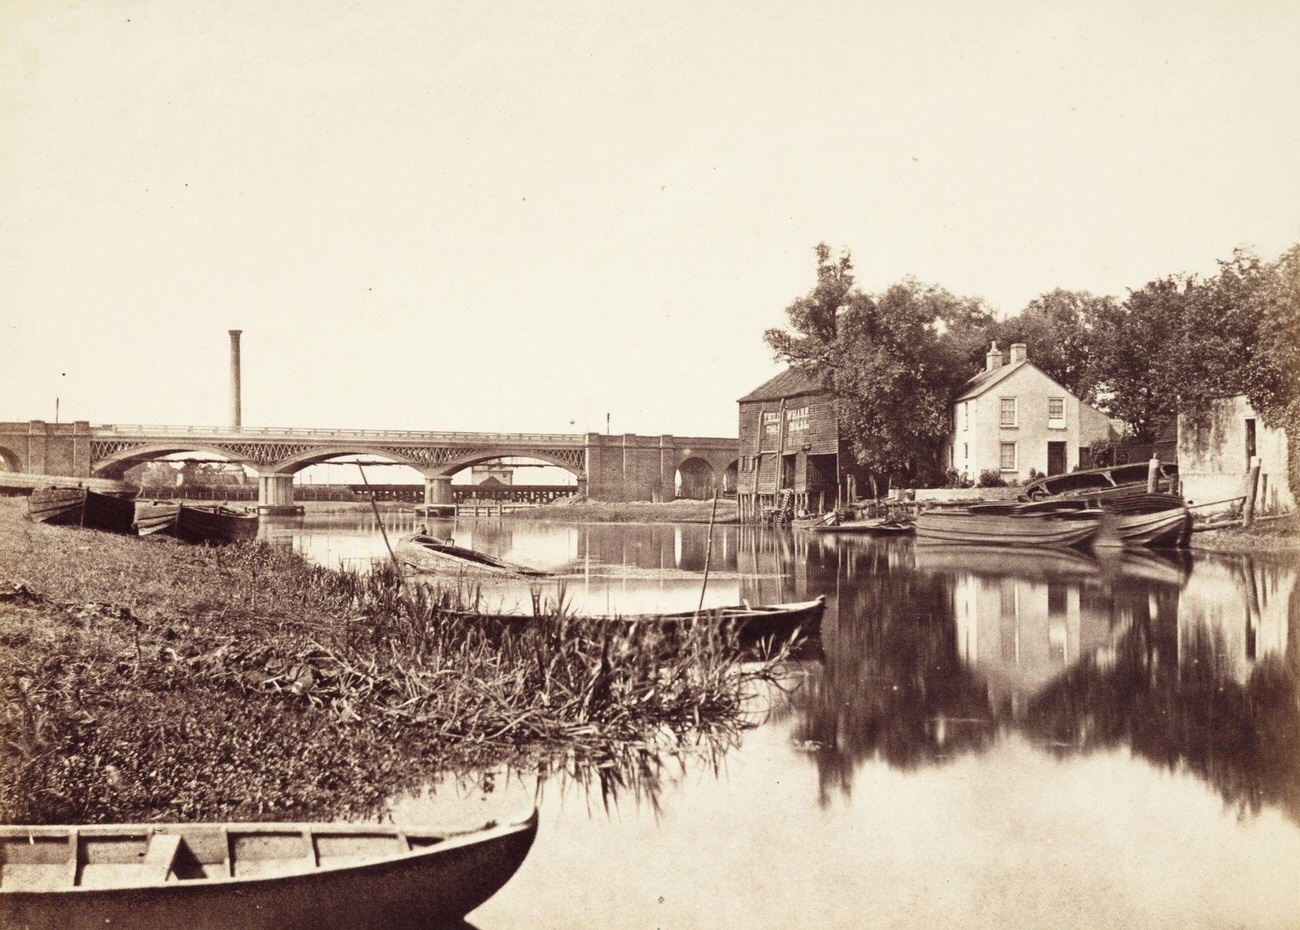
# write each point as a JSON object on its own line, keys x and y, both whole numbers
{"x": 989, "y": 478}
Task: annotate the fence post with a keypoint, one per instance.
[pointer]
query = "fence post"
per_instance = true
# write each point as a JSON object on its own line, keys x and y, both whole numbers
{"x": 1153, "y": 474}
{"x": 1252, "y": 489}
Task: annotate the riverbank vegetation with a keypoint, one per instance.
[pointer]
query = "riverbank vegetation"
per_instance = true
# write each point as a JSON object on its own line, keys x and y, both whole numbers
{"x": 149, "y": 680}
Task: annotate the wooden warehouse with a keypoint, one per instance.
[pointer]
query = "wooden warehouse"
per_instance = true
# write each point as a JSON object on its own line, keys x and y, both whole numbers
{"x": 792, "y": 459}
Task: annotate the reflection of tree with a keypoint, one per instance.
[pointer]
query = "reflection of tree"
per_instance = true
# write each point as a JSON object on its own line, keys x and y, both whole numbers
{"x": 1172, "y": 698}
{"x": 893, "y": 686}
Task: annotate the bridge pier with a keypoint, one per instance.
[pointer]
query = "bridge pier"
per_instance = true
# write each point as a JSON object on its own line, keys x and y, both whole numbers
{"x": 275, "y": 495}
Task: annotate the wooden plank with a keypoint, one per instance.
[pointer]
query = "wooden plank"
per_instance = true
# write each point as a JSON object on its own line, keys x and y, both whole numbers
{"x": 161, "y": 855}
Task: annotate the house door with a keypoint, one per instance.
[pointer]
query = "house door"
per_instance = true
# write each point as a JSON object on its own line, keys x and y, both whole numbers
{"x": 1056, "y": 458}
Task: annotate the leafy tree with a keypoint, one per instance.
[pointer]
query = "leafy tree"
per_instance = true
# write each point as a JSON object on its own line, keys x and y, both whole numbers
{"x": 814, "y": 319}
{"x": 1057, "y": 329}
{"x": 894, "y": 362}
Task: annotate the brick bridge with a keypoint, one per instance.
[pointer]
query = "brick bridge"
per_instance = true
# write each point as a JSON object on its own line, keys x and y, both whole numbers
{"x": 608, "y": 468}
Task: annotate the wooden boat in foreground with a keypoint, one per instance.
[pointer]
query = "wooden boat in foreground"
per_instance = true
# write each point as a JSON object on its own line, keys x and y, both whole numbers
{"x": 267, "y": 876}
{"x": 215, "y": 524}
{"x": 996, "y": 528}
{"x": 82, "y": 507}
{"x": 426, "y": 553}
{"x": 155, "y": 516}
{"x": 749, "y": 624}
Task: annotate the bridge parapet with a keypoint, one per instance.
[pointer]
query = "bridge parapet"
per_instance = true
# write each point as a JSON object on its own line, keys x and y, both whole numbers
{"x": 265, "y": 432}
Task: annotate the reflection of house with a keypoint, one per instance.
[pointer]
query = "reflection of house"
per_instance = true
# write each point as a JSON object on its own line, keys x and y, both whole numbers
{"x": 1021, "y": 634}
{"x": 1013, "y": 418}
{"x": 1235, "y": 611}
{"x": 1215, "y": 446}
{"x": 790, "y": 441}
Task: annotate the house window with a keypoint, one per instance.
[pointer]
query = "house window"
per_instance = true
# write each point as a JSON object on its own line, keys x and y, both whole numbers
{"x": 1056, "y": 413}
{"x": 1008, "y": 411}
{"x": 965, "y": 452}
{"x": 1008, "y": 457}
{"x": 965, "y": 416}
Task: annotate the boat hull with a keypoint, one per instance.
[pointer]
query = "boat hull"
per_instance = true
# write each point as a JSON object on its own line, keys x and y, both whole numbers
{"x": 434, "y": 886}
{"x": 214, "y": 525}
{"x": 1170, "y": 528}
{"x": 998, "y": 529}
{"x": 425, "y": 554}
{"x": 155, "y": 516}
{"x": 61, "y": 506}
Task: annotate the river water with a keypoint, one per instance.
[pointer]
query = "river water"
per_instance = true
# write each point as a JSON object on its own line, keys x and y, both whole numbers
{"x": 990, "y": 738}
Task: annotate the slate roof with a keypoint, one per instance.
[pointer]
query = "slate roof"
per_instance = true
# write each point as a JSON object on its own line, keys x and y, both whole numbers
{"x": 789, "y": 383}
{"x": 986, "y": 379}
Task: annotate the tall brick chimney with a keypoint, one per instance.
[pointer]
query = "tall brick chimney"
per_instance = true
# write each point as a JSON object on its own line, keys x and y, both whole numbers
{"x": 234, "y": 378}
{"x": 994, "y": 358}
{"x": 1019, "y": 352}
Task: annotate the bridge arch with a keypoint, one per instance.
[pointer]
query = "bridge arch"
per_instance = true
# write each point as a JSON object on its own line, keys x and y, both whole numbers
{"x": 322, "y": 454}
{"x": 696, "y": 479}
{"x": 9, "y": 460}
{"x": 116, "y": 464}
{"x": 447, "y": 469}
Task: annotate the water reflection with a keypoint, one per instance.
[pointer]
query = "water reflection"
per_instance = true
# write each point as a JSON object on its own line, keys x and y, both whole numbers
{"x": 933, "y": 654}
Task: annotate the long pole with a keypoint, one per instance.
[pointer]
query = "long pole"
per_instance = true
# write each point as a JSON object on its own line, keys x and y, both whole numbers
{"x": 383, "y": 532}
{"x": 708, "y": 549}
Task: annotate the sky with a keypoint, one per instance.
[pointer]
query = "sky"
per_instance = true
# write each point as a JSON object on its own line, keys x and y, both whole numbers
{"x": 529, "y": 217}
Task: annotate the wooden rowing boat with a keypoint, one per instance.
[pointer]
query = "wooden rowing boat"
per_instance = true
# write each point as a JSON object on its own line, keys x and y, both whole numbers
{"x": 882, "y": 526}
{"x": 748, "y": 624}
{"x": 82, "y": 507}
{"x": 426, "y": 553}
{"x": 984, "y": 528}
{"x": 155, "y": 516}
{"x": 1139, "y": 519}
{"x": 214, "y": 524}
{"x": 269, "y": 876}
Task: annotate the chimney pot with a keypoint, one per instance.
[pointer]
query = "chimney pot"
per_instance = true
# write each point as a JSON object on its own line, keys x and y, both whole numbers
{"x": 994, "y": 358}
{"x": 1019, "y": 352}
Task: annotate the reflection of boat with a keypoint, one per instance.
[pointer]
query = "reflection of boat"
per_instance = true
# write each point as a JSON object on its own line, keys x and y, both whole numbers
{"x": 882, "y": 526}
{"x": 155, "y": 516}
{"x": 749, "y": 624}
{"x": 82, "y": 506}
{"x": 971, "y": 527}
{"x": 268, "y": 875}
{"x": 426, "y": 553}
{"x": 214, "y": 523}
{"x": 1037, "y": 564}
{"x": 1170, "y": 568}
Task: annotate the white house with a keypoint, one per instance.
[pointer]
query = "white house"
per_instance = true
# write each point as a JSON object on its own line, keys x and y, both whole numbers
{"x": 1011, "y": 418}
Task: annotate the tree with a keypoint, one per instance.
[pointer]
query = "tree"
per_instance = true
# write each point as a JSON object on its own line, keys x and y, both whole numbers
{"x": 815, "y": 318}
{"x": 1272, "y": 382}
{"x": 894, "y": 363}
{"x": 1057, "y": 329}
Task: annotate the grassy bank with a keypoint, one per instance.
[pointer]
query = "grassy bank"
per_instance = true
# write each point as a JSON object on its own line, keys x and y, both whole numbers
{"x": 146, "y": 679}
{"x": 629, "y": 512}
{"x": 1268, "y": 534}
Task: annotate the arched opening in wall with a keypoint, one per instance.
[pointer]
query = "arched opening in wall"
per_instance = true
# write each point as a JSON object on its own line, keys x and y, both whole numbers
{"x": 8, "y": 460}
{"x": 695, "y": 479}
{"x": 514, "y": 478}
{"x": 351, "y": 477}
{"x": 729, "y": 479}
{"x": 193, "y": 476}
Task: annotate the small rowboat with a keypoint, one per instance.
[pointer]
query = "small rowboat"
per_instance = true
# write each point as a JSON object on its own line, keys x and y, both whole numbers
{"x": 748, "y": 624}
{"x": 972, "y": 527}
{"x": 214, "y": 524}
{"x": 882, "y": 526}
{"x": 269, "y": 876}
{"x": 1140, "y": 519}
{"x": 155, "y": 516}
{"x": 425, "y": 553}
{"x": 82, "y": 507}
